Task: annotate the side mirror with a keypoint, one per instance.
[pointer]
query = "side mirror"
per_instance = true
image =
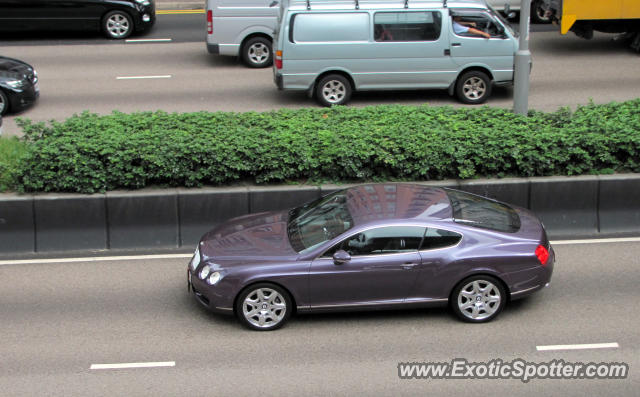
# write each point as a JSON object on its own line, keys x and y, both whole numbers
{"x": 341, "y": 257}
{"x": 511, "y": 15}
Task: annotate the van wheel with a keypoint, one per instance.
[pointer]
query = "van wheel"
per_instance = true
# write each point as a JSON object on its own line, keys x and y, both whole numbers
{"x": 538, "y": 13}
{"x": 473, "y": 87}
{"x": 256, "y": 53}
{"x": 333, "y": 89}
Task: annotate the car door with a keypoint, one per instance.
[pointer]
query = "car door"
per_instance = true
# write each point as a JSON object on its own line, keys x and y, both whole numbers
{"x": 408, "y": 51}
{"x": 438, "y": 253}
{"x": 382, "y": 269}
{"x": 468, "y": 49}
{"x": 71, "y": 14}
{"x": 17, "y": 15}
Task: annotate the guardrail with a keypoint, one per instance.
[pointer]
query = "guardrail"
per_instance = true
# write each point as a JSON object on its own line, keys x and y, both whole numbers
{"x": 575, "y": 207}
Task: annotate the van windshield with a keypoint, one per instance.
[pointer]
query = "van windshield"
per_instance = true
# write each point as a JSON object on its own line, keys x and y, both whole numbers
{"x": 503, "y": 21}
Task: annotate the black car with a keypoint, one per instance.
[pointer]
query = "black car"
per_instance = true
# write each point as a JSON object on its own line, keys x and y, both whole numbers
{"x": 116, "y": 18}
{"x": 18, "y": 85}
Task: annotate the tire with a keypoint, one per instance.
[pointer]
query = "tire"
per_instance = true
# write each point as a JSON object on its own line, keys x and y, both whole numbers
{"x": 333, "y": 89}
{"x": 473, "y": 87}
{"x": 4, "y": 103}
{"x": 257, "y": 53}
{"x": 478, "y": 299}
{"x": 538, "y": 13}
{"x": 117, "y": 25}
{"x": 264, "y": 307}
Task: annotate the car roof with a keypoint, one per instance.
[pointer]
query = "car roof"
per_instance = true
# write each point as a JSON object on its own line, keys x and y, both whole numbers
{"x": 396, "y": 201}
{"x": 381, "y": 4}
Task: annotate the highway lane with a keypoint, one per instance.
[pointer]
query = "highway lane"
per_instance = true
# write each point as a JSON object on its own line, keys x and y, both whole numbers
{"x": 57, "y": 319}
{"x": 567, "y": 71}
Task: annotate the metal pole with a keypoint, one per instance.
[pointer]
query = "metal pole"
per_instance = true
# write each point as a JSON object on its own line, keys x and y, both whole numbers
{"x": 523, "y": 62}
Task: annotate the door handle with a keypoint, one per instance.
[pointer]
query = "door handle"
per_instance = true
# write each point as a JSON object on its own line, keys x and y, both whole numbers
{"x": 409, "y": 265}
{"x": 456, "y": 44}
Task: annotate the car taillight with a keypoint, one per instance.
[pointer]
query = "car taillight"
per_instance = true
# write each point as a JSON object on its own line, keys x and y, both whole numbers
{"x": 542, "y": 254}
{"x": 210, "y": 22}
{"x": 278, "y": 59}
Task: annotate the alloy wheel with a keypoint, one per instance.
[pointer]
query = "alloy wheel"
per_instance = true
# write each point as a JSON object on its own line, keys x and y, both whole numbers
{"x": 264, "y": 308}
{"x": 479, "y": 300}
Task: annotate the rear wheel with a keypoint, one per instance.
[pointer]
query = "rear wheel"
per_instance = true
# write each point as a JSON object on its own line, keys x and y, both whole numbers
{"x": 4, "y": 103}
{"x": 264, "y": 307}
{"x": 333, "y": 89}
{"x": 256, "y": 52}
{"x": 117, "y": 25}
{"x": 478, "y": 299}
{"x": 473, "y": 87}
{"x": 538, "y": 13}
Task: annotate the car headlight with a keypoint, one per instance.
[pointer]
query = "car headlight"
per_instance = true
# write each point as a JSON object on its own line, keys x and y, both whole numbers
{"x": 143, "y": 2}
{"x": 204, "y": 272}
{"x": 213, "y": 278}
{"x": 15, "y": 83}
{"x": 195, "y": 261}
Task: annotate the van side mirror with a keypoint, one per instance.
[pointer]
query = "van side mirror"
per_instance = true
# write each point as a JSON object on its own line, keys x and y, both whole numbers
{"x": 341, "y": 257}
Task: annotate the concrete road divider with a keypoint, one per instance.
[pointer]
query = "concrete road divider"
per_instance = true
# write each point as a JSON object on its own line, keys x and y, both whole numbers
{"x": 584, "y": 206}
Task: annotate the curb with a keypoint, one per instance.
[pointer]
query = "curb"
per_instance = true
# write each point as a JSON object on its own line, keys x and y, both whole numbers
{"x": 570, "y": 207}
{"x": 180, "y": 5}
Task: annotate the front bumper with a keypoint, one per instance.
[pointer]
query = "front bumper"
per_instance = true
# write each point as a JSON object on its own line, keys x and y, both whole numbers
{"x": 20, "y": 99}
{"x": 145, "y": 18}
{"x": 204, "y": 294}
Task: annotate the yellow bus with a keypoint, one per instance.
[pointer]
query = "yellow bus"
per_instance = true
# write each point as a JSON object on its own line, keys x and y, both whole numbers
{"x": 583, "y": 17}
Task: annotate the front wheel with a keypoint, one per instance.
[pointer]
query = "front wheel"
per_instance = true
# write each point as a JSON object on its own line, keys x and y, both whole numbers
{"x": 478, "y": 299}
{"x": 264, "y": 307}
{"x": 473, "y": 87}
{"x": 333, "y": 89}
{"x": 256, "y": 53}
{"x": 117, "y": 25}
{"x": 4, "y": 103}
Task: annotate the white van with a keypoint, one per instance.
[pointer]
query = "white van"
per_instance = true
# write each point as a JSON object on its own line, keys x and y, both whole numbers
{"x": 331, "y": 49}
{"x": 242, "y": 28}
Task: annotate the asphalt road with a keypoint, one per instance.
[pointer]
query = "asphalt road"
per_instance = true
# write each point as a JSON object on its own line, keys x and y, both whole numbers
{"x": 58, "y": 319}
{"x": 75, "y": 76}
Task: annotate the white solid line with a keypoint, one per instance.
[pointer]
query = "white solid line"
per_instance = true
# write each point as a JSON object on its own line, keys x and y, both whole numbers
{"x": 598, "y": 241}
{"x": 146, "y": 40}
{"x": 134, "y": 365}
{"x": 164, "y": 76}
{"x": 94, "y": 259}
{"x": 579, "y": 347}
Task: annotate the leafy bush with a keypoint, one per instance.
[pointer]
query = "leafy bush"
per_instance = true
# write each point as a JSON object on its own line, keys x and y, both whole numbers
{"x": 90, "y": 153}
{"x": 11, "y": 152}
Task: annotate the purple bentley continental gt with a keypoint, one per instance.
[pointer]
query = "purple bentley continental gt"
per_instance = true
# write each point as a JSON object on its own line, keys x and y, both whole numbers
{"x": 378, "y": 246}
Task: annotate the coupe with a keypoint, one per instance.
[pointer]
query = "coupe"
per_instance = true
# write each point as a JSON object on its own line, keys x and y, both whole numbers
{"x": 377, "y": 246}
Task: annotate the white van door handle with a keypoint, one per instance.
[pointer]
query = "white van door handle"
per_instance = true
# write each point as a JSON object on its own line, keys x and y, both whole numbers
{"x": 456, "y": 44}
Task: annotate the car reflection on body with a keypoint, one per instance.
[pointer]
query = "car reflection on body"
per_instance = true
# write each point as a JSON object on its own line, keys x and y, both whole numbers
{"x": 18, "y": 85}
{"x": 377, "y": 246}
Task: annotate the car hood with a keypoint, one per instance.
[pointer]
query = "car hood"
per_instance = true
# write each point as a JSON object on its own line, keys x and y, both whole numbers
{"x": 261, "y": 236}
{"x": 13, "y": 69}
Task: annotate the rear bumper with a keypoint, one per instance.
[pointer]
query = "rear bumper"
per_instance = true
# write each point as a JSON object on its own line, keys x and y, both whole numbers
{"x": 213, "y": 48}
{"x": 526, "y": 282}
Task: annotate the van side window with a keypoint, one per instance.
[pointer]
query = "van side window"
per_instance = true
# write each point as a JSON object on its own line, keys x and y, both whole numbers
{"x": 333, "y": 27}
{"x": 468, "y": 25}
{"x": 407, "y": 26}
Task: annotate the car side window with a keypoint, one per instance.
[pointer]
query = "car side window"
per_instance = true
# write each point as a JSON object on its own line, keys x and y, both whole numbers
{"x": 468, "y": 25}
{"x": 380, "y": 241}
{"x": 407, "y": 26}
{"x": 439, "y": 238}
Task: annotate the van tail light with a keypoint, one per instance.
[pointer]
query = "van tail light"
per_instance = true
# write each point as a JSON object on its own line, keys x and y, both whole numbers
{"x": 278, "y": 59}
{"x": 542, "y": 254}
{"x": 209, "y": 21}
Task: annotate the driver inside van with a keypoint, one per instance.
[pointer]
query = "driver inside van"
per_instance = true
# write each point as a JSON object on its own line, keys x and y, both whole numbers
{"x": 465, "y": 28}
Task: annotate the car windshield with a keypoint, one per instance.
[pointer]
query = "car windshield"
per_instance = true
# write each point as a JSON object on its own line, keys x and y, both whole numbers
{"x": 504, "y": 22}
{"x": 318, "y": 221}
{"x": 480, "y": 212}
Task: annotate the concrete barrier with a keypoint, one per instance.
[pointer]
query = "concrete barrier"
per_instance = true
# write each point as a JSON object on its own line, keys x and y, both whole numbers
{"x": 584, "y": 206}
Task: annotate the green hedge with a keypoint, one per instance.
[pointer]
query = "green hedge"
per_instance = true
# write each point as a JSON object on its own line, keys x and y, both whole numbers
{"x": 91, "y": 153}
{"x": 11, "y": 152}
